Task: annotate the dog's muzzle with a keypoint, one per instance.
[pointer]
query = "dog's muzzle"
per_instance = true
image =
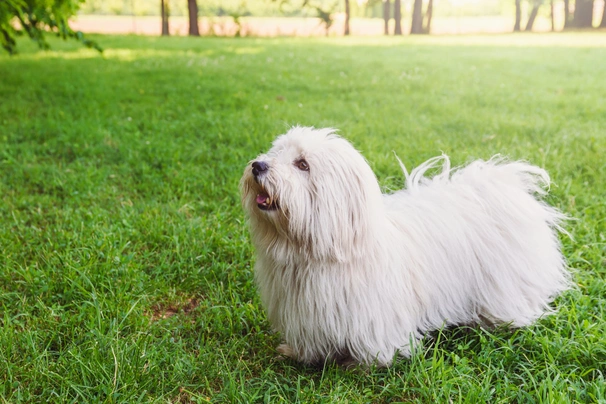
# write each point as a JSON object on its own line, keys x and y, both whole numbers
{"x": 259, "y": 168}
{"x": 264, "y": 200}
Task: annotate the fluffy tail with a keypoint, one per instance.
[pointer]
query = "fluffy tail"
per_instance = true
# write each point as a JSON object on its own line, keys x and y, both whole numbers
{"x": 498, "y": 170}
{"x": 534, "y": 179}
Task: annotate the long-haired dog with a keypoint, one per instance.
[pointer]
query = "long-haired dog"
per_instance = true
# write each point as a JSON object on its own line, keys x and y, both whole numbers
{"x": 349, "y": 274}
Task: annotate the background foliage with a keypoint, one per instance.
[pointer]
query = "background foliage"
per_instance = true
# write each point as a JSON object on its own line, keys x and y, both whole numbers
{"x": 275, "y": 8}
{"x": 35, "y": 18}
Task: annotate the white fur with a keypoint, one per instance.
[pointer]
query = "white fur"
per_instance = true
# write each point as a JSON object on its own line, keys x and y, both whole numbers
{"x": 347, "y": 273}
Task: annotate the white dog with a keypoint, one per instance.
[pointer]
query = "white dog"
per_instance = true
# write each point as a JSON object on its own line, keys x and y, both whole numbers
{"x": 349, "y": 274}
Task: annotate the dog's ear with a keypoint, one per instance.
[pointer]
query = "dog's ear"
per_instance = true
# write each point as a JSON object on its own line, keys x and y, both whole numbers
{"x": 345, "y": 204}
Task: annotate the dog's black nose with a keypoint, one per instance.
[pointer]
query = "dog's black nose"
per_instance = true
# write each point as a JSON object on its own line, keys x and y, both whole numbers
{"x": 259, "y": 167}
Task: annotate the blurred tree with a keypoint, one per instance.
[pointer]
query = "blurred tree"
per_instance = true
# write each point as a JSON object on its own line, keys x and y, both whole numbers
{"x": 324, "y": 10}
{"x": 416, "y": 27}
{"x": 583, "y": 14}
{"x": 164, "y": 12}
{"x": 533, "y": 14}
{"x": 36, "y": 18}
{"x": 325, "y": 15}
{"x": 518, "y": 23}
{"x": 536, "y": 4}
{"x": 346, "y": 28}
{"x": 567, "y": 19}
{"x": 386, "y": 12}
{"x": 236, "y": 14}
{"x": 428, "y": 16}
{"x": 551, "y": 15}
{"x": 603, "y": 23}
{"x": 192, "y": 8}
{"x": 397, "y": 16}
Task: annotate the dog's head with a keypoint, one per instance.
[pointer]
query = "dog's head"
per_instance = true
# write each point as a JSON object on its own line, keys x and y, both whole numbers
{"x": 314, "y": 192}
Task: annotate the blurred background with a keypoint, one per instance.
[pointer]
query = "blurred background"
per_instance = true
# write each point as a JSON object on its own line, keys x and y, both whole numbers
{"x": 335, "y": 17}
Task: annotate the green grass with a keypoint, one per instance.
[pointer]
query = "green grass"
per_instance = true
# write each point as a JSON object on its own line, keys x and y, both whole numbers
{"x": 126, "y": 267}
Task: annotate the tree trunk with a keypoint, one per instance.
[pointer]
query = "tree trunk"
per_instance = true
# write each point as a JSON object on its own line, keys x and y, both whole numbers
{"x": 532, "y": 16}
{"x": 428, "y": 15}
{"x": 518, "y": 23}
{"x": 164, "y": 12}
{"x": 386, "y": 12}
{"x": 346, "y": 31}
{"x": 192, "y": 7}
{"x": 397, "y": 16}
{"x": 583, "y": 14}
{"x": 567, "y": 14}
{"x": 603, "y": 23}
{"x": 416, "y": 27}
{"x": 551, "y": 16}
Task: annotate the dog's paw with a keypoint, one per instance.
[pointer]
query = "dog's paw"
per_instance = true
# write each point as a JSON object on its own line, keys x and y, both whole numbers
{"x": 286, "y": 351}
{"x": 348, "y": 363}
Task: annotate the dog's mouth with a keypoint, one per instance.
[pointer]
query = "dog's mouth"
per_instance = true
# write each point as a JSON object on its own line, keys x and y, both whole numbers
{"x": 264, "y": 202}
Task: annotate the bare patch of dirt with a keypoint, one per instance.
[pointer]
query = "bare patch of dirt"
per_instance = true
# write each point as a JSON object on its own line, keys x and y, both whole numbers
{"x": 162, "y": 311}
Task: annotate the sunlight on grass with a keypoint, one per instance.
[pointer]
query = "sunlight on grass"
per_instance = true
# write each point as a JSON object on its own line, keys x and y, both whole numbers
{"x": 130, "y": 54}
{"x": 81, "y": 53}
{"x": 246, "y": 50}
{"x": 126, "y": 55}
{"x": 589, "y": 39}
{"x": 156, "y": 48}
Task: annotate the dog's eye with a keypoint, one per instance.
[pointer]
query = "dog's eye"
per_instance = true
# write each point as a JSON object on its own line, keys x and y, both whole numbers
{"x": 302, "y": 165}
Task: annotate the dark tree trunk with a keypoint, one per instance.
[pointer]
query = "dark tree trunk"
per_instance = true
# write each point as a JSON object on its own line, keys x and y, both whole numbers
{"x": 386, "y": 12}
{"x": 603, "y": 23}
{"x": 164, "y": 12}
{"x": 567, "y": 21}
{"x": 551, "y": 16}
{"x": 192, "y": 7}
{"x": 583, "y": 14}
{"x": 346, "y": 30}
{"x": 518, "y": 23}
{"x": 416, "y": 27}
{"x": 397, "y": 16}
{"x": 532, "y": 16}
{"x": 428, "y": 16}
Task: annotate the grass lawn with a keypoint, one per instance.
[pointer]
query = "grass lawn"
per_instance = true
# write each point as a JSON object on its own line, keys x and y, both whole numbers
{"x": 126, "y": 267}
